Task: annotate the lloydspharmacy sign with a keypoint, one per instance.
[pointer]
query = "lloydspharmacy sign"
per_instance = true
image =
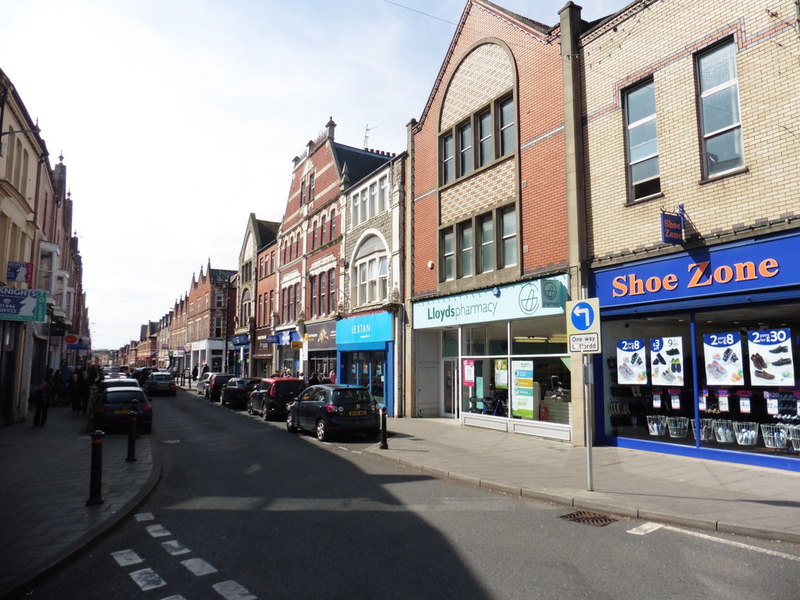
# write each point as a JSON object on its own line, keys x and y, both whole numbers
{"x": 539, "y": 297}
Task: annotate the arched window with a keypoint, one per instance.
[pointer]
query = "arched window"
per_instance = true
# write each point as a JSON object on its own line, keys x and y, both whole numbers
{"x": 371, "y": 272}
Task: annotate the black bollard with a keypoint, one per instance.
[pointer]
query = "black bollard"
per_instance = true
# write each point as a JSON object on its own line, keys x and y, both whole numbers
{"x": 384, "y": 444}
{"x": 133, "y": 431}
{"x": 96, "y": 479}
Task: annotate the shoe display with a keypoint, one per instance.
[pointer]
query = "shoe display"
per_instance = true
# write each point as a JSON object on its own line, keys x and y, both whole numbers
{"x": 782, "y": 361}
{"x": 764, "y": 375}
{"x": 779, "y": 350}
{"x": 727, "y": 355}
{"x": 758, "y": 361}
{"x": 660, "y": 359}
{"x": 636, "y": 359}
{"x": 672, "y": 351}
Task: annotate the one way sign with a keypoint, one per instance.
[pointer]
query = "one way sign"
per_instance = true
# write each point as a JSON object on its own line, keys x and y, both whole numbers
{"x": 583, "y": 325}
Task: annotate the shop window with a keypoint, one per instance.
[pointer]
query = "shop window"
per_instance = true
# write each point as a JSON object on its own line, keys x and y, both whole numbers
{"x": 474, "y": 340}
{"x": 450, "y": 342}
{"x": 642, "y": 141}
{"x": 719, "y": 109}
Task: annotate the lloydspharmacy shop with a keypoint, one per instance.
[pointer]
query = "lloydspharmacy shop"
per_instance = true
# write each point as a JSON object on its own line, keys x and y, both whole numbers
{"x": 698, "y": 353}
{"x": 496, "y": 358}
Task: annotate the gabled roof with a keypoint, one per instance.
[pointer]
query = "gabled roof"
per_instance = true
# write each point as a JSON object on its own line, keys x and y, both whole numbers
{"x": 357, "y": 163}
{"x": 267, "y": 232}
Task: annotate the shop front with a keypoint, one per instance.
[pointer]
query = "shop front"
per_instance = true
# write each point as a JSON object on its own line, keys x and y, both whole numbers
{"x": 698, "y": 353}
{"x": 290, "y": 348}
{"x": 367, "y": 355}
{"x": 321, "y": 338}
{"x": 240, "y": 365}
{"x": 262, "y": 353}
{"x": 496, "y": 358}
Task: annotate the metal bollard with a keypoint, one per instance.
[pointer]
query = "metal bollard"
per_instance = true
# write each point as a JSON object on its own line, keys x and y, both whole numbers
{"x": 133, "y": 431}
{"x": 384, "y": 444}
{"x": 96, "y": 479}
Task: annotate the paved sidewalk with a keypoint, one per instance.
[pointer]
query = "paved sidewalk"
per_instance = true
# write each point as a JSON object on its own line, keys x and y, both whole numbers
{"x": 44, "y": 485}
{"x": 703, "y": 494}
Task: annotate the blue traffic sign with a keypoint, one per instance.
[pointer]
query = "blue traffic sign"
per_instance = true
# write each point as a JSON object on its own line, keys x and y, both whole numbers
{"x": 582, "y": 316}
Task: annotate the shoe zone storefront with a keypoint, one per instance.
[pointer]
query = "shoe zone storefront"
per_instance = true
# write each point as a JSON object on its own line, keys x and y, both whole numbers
{"x": 496, "y": 358}
{"x": 366, "y": 350}
{"x": 698, "y": 353}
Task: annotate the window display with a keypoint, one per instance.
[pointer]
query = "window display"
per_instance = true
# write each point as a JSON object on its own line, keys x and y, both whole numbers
{"x": 739, "y": 393}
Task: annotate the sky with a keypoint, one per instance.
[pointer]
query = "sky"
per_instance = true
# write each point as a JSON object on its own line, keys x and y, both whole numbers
{"x": 177, "y": 119}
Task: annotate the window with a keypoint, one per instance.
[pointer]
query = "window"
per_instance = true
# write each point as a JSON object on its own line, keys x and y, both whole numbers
{"x": 507, "y": 130}
{"x": 314, "y": 235}
{"x": 485, "y": 138}
{"x": 719, "y": 110}
{"x": 322, "y": 229}
{"x": 217, "y": 327}
{"x": 356, "y": 209}
{"x": 448, "y": 160}
{"x": 642, "y": 141}
{"x": 297, "y": 308}
{"x": 448, "y": 255}
{"x": 383, "y": 194}
{"x": 472, "y": 142}
{"x": 466, "y": 247}
{"x": 332, "y": 289}
{"x": 313, "y": 282}
{"x": 45, "y": 271}
{"x": 383, "y": 278}
{"x": 311, "y": 187}
{"x": 302, "y": 192}
{"x": 373, "y": 199}
{"x": 323, "y": 298}
{"x": 486, "y": 241}
{"x": 363, "y": 206}
{"x": 333, "y": 224}
{"x": 508, "y": 235}
{"x": 465, "y": 149}
{"x": 362, "y": 283}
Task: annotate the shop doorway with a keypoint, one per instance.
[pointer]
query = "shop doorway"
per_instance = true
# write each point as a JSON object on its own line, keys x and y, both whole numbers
{"x": 449, "y": 406}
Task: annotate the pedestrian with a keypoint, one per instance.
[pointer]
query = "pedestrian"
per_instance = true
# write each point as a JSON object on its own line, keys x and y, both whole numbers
{"x": 84, "y": 390}
{"x": 74, "y": 394}
{"x": 332, "y": 376}
{"x": 194, "y": 373}
{"x": 205, "y": 368}
{"x": 314, "y": 379}
{"x": 41, "y": 398}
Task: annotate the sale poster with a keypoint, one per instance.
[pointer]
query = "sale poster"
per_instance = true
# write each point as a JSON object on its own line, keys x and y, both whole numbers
{"x": 771, "y": 359}
{"x": 723, "y": 358}
{"x": 666, "y": 361}
{"x": 631, "y": 362}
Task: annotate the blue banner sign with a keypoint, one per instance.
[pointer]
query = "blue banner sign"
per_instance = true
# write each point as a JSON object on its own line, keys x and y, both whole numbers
{"x": 22, "y": 305}
{"x": 376, "y": 327}
{"x": 725, "y": 269}
{"x": 671, "y": 228}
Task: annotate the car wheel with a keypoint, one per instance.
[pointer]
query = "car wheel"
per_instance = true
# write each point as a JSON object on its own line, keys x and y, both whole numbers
{"x": 291, "y": 426}
{"x": 264, "y": 413}
{"x": 250, "y": 410}
{"x": 322, "y": 432}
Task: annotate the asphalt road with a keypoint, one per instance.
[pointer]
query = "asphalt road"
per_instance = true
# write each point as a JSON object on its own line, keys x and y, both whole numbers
{"x": 245, "y": 510}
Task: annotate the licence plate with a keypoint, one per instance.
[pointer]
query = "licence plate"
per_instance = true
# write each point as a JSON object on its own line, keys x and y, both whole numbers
{"x": 357, "y": 413}
{"x": 121, "y": 411}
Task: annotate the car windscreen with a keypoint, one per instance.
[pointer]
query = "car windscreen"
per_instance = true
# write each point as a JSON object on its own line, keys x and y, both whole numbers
{"x": 164, "y": 377}
{"x": 288, "y": 389}
{"x": 123, "y": 397}
{"x": 346, "y": 397}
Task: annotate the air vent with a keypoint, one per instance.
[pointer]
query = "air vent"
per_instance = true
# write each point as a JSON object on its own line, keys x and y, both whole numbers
{"x": 589, "y": 518}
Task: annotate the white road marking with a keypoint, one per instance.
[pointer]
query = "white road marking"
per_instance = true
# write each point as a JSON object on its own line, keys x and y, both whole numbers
{"x": 645, "y": 529}
{"x": 147, "y": 579}
{"x": 174, "y": 547}
{"x": 230, "y": 590}
{"x": 176, "y": 597}
{"x": 198, "y": 566}
{"x": 144, "y": 517}
{"x": 157, "y": 531}
{"x": 750, "y": 547}
{"x": 126, "y": 558}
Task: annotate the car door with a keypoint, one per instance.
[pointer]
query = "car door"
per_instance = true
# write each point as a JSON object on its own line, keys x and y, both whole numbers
{"x": 305, "y": 408}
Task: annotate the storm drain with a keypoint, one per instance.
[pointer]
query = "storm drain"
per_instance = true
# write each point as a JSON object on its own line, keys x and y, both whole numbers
{"x": 589, "y": 518}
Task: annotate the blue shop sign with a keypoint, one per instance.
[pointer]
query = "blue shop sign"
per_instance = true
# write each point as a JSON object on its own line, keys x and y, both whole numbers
{"x": 726, "y": 269}
{"x": 285, "y": 338}
{"x": 240, "y": 340}
{"x": 376, "y": 327}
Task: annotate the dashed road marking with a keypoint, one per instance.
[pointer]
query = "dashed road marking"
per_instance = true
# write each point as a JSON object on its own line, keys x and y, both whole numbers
{"x": 147, "y": 579}
{"x": 174, "y": 547}
{"x": 230, "y": 590}
{"x": 126, "y": 558}
{"x": 645, "y": 528}
{"x": 144, "y": 517}
{"x": 198, "y": 566}
{"x": 157, "y": 531}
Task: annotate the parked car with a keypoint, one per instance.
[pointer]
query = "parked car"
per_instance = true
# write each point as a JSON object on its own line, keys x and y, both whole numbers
{"x": 159, "y": 382}
{"x": 236, "y": 391}
{"x": 142, "y": 373}
{"x": 272, "y": 395}
{"x": 334, "y": 408}
{"x": 213, "y": 389}
{"x": 202, "y": 381}
{"x": 112, "y": 409}
{"x": 105, "y": 384}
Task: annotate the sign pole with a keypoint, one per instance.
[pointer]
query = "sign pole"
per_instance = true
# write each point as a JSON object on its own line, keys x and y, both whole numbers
{"x": 588, "y": 401}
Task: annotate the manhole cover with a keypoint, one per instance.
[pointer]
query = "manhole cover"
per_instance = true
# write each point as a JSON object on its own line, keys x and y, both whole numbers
{"x": 589, "y": 518}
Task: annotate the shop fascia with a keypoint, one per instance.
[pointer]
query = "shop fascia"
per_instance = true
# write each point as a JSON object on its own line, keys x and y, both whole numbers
{"x": 523, "y": 300}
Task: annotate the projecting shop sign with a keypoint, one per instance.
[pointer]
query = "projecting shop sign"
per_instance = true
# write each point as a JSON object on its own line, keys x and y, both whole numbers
{"x": 22, "y": 305}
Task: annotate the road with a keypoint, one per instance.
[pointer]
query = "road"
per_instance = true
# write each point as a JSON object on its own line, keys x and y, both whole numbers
{"x": 245, "y": 510}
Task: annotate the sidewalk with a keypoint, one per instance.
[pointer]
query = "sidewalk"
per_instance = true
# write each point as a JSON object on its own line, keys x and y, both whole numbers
{"x": 44, "y": 485}
{"x": 702, "y": 494}
{"x": 45, "y": 477}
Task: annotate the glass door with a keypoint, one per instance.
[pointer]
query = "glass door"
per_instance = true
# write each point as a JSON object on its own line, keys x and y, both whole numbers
{"x": 449, "y": 404}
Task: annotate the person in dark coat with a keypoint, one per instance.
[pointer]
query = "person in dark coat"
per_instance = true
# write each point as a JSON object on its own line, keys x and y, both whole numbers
{"x": 43, "y": 395}
{"x": 84, "y": 389}
{"x": 205, "y": 368}
{"x": 75, "y": 393}
{"x": 194, "y": 373}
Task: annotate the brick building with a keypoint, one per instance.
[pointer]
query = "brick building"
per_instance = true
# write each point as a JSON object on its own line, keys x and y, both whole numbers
{"x": 264, "y": 349}
{"x": 487, "y": 232}
{"x": 210, "y": 320}
{"x": 693, "y": 222}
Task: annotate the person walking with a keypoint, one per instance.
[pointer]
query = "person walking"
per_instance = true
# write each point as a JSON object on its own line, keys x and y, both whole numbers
{"x": 74, "y": 393}
{"x": 205, "y": 368}
{"x": 41, "y": 398}
{"x": 194, "y": 373}
{"x": 84, "y": 390}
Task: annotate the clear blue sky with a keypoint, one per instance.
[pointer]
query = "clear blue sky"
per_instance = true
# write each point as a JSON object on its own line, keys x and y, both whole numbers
{"x": 178, "y": 119}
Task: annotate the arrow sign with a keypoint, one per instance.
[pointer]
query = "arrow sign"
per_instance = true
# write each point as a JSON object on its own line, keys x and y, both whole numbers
{"x": 583, "y": 326}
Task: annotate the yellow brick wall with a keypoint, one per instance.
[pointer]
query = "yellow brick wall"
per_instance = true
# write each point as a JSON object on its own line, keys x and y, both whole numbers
{"x": 661, "y": 39}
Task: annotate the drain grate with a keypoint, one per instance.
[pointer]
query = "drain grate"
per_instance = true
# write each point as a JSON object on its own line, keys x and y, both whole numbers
{"x": 589, "y": 518}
